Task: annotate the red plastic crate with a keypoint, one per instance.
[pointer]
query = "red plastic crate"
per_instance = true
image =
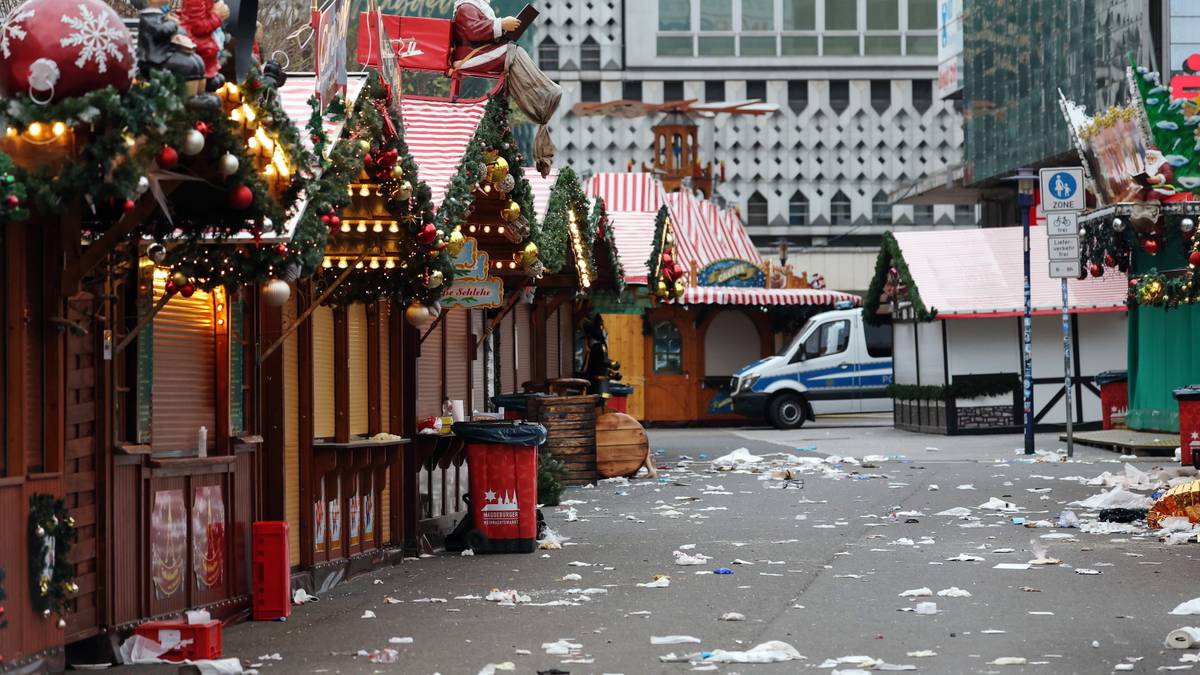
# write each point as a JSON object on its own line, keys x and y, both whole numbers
{"x": 272, "y": 584}
{"x": 192, "y": 640}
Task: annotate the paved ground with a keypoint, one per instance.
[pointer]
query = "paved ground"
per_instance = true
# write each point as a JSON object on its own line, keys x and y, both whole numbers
{"x": 829, "y": 565}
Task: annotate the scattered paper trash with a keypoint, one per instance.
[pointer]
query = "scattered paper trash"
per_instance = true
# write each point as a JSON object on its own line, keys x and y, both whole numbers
{"x": 773, "y": 651}
{"x": 1116, "y": 498}
{"x": 384, "y": 656}
{"x": 674, "y": 640}
{"x": 1068, "y": 519}
{"x": 1009, "y": 661}
{"x": 926, "y": 608}
{"x": 493, "y": 668}
{"x": 733, "y": 616}
{"x": 924, "y": 592}
{"x": 301, "y": 596}
{"x": 561, "y": 647}
{"x": 686, "y": 559}
{"x": 953, "y": 592}
{"x": 737, "y": 457}
{"x": 367, "y": 614}
{"x": 572, "y": 577}
{"x": 994, "y": 504}
{"x": 506, "y": 598}
{"x": 1086, "y": 572}
{"x": 1011, "y": 566}
{"x": 957, "y": 512}
{"x": 922, "y": 654}
{"x": 660, "y": 582}
{"x": 965, "y": 557}
{"x": 1186, "y": 637}
{"x": 1187, "y": 608}
{"x": 400, "y": 641}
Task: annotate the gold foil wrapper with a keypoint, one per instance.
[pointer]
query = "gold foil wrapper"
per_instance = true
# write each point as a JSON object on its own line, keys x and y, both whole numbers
{"x": 1180, "y": 501}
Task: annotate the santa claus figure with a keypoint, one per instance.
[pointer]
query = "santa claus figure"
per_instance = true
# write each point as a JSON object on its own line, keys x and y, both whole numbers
{"x": 480, "y": 47}
{"x": 203, "y": 19}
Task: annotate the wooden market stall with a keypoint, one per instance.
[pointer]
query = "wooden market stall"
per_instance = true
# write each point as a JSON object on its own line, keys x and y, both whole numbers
{"x": 680, "y": 327}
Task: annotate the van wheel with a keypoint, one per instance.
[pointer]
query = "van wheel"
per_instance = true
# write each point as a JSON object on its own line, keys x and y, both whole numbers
{"x": 787, "y": 411}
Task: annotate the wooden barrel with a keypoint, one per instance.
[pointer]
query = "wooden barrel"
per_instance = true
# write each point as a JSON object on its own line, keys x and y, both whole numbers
{"x": 570, "y": 423}
{"x": 621, "y": 445}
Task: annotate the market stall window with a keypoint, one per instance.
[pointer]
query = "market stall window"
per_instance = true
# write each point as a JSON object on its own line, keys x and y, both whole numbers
{"x": 668, "y": 348}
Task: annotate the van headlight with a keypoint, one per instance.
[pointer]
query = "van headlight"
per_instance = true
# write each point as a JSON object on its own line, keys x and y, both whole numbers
{"x": 747, "y": 383}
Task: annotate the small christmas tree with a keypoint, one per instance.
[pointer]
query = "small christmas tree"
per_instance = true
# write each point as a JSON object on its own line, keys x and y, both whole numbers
{"x": 551, "y": 472}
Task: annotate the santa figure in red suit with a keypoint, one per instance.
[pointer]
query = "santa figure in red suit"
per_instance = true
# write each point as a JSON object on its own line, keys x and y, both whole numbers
{"x": 479, "y": 48}
{"x": 203, "y": 19}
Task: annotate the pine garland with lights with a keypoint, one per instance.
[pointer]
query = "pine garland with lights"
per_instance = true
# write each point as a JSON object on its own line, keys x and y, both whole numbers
{"x": 12, "y": 193}
{"x": 566, "y": 222}
{"x": 1101, "y": 246}
{"x": 665, "y": 273}
{"x": 375, "y": 130}
{"x": 601, "y": 230}
{"x": 51, "y": 536}
{"x": 890, "y": 256}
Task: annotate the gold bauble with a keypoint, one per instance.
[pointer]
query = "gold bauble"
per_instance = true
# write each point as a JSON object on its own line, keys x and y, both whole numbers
{"x": 397, "y": 172}
{"x": 679, "y": 288}
{"x": 403, "y": 191}
{"x": 529, "y": 254}
{"x": 669, "y": 240}
{"x": 71, "y": 521}
{"x": 44, "y": 586}
{"x": 364, "y": 144}
{"x": 662, "y": 289}
{"x": 511, "y": 212}
{"x": 435, "y": 279}
{"x": 499, "y": 170}
{"x": 456, "y": 243}
{"x": 180, "y": 279}
{"x": 491, "y": 155}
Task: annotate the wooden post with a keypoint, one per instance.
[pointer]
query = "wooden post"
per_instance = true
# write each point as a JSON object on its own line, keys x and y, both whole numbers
{"x": 274, "y": 480}
{"x": 341, "y": 375}
{"x": 15, "y": 303}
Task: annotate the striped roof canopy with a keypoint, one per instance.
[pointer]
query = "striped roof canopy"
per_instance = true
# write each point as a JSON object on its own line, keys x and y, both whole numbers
{"x": 294, "y": 96}
{"x": 437, "y": 134}
{"x": 632, "y": 201}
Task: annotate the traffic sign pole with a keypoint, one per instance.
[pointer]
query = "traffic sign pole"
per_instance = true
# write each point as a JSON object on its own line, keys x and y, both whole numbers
{"x": 1063, "y": 198}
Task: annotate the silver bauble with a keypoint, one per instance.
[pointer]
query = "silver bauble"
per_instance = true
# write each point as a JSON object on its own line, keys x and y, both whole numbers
{"x": 276, "y": 292}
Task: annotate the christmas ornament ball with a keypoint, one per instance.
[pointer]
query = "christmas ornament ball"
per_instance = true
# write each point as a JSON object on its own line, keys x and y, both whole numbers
{"x": 180, "y": 279}
{"x": 436, "y": 278}
{"x": 62, "y": 623}
{"x": 427, "y": 234}
{"x": 167, "y": 158}
{"x": 193, "y": 143}
{"x": 187, "y": 290}
{"x": 1095, "y": 270}
{"x": 156, "y": 252}
{"x": 228, "y": 164}
{"x": 403, "y": 192}
{"x": 240, "y": 198}
{"x": 276, "y": 292}
{"x": 1194, "y": 258}
{"x": 1150, "y": 246}
{"x": 54, "y": 49}
{"x": 456, "y": 243}
{"x": 511, "y": 212}
{"x": 417, "y": 315}
{"x": 1109, "y": 261}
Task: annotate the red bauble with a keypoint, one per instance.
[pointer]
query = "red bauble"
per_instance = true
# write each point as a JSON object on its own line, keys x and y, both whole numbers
{"x": 128, "y": 205}
{"x": 188, "y": 290}
{"x": 1133, "y": 283}
{"x": 667, "y": 259}
{"x": 240, "y": 198}
{"x": 12, "y": 201}
{"x": 203, "y": 128}
{"x": 167, "y": 158}
{"x": 281, "y": 249}
{"x": 677, "y": 269}
{"x": 1194, "y": 258}
{"x": 334, "y": 221}
{"x": 1150, "y": 246}
{"x": 427, "y": 234}
{"x": 1096, "y": 270}
{"x": 325, "y": 218}
{"x": 63, "y": 48}
{"x": 171, "y": 287}
{"x": 1109, "y": 261}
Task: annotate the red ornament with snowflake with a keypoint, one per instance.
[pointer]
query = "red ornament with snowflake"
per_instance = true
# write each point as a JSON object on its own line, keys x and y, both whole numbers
{"x": 52, "y": 49}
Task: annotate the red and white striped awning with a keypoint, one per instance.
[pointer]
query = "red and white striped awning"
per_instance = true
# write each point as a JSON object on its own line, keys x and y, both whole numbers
{"x": 706, "y": 233}
{"x": 633, "y": 235}
{"x": 627, "y": 191}
{"x": 294, "y": 96}
{"x": 541, "y": 188}
{"x": 437, "y": 134}
{"x": 727, "y": 295}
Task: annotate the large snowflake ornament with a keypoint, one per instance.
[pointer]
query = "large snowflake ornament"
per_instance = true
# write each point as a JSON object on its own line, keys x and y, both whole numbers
{"x": 11, "y": 29}
{"x": 96, "y": 37}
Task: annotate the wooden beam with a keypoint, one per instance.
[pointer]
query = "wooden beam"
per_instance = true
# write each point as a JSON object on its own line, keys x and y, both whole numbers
{"x": 108, "y": 243}
{"x": 508, "y": 305}
{"x": 143, "y": 322}
{"x": 436, "y": 322}
{"x": 311, "y": 308}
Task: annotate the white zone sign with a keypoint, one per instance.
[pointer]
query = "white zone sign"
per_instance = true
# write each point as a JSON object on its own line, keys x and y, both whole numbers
{"x": 1062, "y": 189}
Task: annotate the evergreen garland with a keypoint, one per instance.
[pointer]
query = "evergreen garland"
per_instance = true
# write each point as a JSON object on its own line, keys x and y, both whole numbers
{"x": 602, "y": 231}
{"x": 554, "y": 237}
{"x": 663, "y": 241}
{"x": 974, "y": 386}
{"x": 891, "y": 256}
{"x": 367, "y": 132}
{"x": 12, "y": 193}
{"x": 51, "y": 535}
{"x": 1103, "y": 246}
{"x": 551, "y": 473}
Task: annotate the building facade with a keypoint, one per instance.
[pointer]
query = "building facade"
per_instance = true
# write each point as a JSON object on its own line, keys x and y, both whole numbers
{"x": 855, "y": 82}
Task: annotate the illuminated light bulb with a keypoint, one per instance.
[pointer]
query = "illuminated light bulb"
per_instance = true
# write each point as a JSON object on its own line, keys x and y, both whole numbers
{"x": 512, "y": 265}
{"x": 364, "y": 191}
{"x": 248, "y": 113}
{"x": 487, "y": 229}
{"x": 35, "y": 129}
{"x": 269, "y": 171}
{"x": 393, "y": 227}
{"x": 252, "y": 143}
{"x": 499, "y": 229}
{"x": 345, "y": 226}
{"x": 236, "y": 115}
{"x": 328, "y": 263}
{"x": 390, "y": 264}
{"x": 374, "y": 263}
{"x": 378, "y": 227}
{"x": 358, "y": 265}
{"x": 471, "y": 229}
{"x": 58, "y": 129}
{"x": 499, "y": 265}
{"x": 362, "y": 226}
{"x": 12, "y": 132}
{"x": 342, "y": 264}
{"x": 350, "y": 190}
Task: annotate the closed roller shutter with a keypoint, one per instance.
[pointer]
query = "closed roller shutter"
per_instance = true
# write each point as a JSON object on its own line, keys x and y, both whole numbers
{"x": 385, "y": 502}
{"x": 506, "y": 355}
{"x": 457, "y": 355}
{"x": 566, "y": 336}
{"x": 185, "y": 369}
{"x": 553, "y": 367}
{"x": 291, "y": 433}
{"x": 385, "y": 364}
{"x": 523, "y": 345}
{"x": 478, "y": 374}
{"x": 322, "y": 361}
{"x": 429, "y": 375}
{"x": 356, "y": 319}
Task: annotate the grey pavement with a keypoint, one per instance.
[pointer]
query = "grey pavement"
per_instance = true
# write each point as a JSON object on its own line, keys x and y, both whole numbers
{"x": 826, "y": 578}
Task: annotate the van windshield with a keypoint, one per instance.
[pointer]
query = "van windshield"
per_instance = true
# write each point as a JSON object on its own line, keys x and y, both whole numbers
{"x": 791, "y": 346}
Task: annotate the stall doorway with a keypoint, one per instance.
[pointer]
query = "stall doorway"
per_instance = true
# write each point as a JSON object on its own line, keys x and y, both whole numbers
{"x": 730, "y": 344}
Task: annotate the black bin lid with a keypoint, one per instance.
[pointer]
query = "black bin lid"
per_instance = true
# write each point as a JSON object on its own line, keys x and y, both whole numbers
{"x": 1111, "y": 376}
{"x": 618, "y": 389}
{"x": 506, "y": 433}
{"x": 1188, "y": 393}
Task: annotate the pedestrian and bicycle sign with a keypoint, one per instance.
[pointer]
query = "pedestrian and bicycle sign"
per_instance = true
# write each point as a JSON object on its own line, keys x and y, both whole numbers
{"x": 1062, "y": 189}
{"x": 1062, "y": 224}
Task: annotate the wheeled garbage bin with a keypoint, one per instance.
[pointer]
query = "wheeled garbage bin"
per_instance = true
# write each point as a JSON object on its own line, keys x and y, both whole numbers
{"x": 503, "y": 462}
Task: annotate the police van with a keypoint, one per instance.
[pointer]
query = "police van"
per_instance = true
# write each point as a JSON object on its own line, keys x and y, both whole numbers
{"x": 837, "y": 363}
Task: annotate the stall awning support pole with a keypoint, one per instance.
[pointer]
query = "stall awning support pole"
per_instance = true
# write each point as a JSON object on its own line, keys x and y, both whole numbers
{"x": 143, "y": 322}
{"x": 311, "y": 308}
{"x": 436, "y": 322}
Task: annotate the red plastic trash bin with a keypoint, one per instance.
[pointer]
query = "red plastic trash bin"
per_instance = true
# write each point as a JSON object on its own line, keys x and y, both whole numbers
{"x": 619, "y": 394}
{"x": 272, "y": 571}
{"x": 1114, "y": 398}
{"x": 502, "y": 462}
{"x": 1189, "y": 424}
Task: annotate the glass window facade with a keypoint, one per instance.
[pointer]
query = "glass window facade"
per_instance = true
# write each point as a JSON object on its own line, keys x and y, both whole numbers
{"x": 797, "y": 95}
{"x": 756, "y": 210}
{"x": 758, "y": 15}
{"x": 716, "y": 15}
{"x": 799, "y": 14}
{"x": 841, "y": 15}
{"x": 839, "y": 209}
{"x": 922, "y": 14}
{"x": 798, "y": 209}
{"x": 675, "y": 15}
{"x": 1016, "y": 119}
{"x": 883, "y": 14}
{"x": 881, "y": 209}
{"x": 668, "y": 349}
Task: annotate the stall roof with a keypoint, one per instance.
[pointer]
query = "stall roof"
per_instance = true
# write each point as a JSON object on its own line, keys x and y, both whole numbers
{"x": 706, "y": 233}
{"x": 633, "y": 234}
{"x": 437, "y": 134}
{"x": 729, "y": 295}
{"x": 541, "y": 188}
{"x": 294, "y": 96}
{"x": 628, "y": 192}
{"x": 979, "y": 273}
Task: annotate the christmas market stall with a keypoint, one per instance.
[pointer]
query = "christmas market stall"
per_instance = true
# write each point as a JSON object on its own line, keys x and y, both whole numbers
{"x": 953, "y": 301}
{"x": 1142, "y": 171}
{"x": 689, "y": 308}
{"x": 148, "y": 212}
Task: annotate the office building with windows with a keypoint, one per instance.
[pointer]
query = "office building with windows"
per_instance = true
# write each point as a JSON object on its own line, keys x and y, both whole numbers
{"x": 858, "y": 114}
